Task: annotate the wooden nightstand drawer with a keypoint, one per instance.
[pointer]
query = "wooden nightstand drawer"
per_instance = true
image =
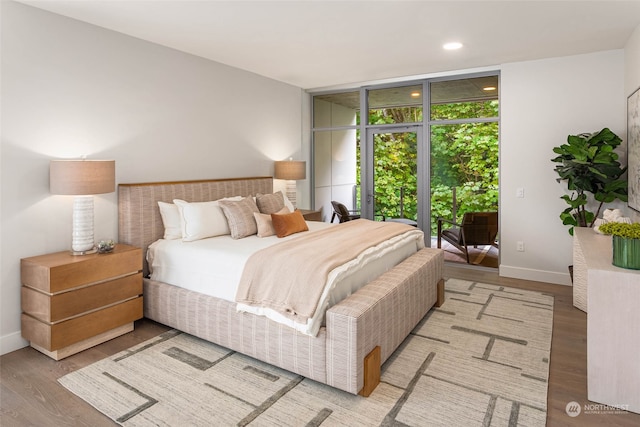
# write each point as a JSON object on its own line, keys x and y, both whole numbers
{"x": 61, "y": 306}
{"x": 57, "y": 272}
{"x": 63, "y": 334}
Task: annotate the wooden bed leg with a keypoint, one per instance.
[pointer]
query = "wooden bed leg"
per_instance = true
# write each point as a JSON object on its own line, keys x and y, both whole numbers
{"x": 371, "y": 372}
{"x": 440, "y": 297}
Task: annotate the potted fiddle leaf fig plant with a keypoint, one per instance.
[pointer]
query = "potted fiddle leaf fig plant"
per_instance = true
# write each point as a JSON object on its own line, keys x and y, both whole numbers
{"x": 590, "y": 167}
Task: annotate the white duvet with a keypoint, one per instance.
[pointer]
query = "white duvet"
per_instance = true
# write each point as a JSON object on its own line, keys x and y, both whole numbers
{"x": 214, "y": 266}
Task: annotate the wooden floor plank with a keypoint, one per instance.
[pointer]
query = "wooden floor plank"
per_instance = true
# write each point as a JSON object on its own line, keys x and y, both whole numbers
{"x": 31, "y": 396}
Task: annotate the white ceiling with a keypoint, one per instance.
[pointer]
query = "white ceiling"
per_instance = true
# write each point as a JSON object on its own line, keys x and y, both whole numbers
{"x": 315, "y": 44}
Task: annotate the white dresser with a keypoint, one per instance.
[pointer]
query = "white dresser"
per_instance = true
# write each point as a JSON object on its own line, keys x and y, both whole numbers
{"x": 611, "y": 296}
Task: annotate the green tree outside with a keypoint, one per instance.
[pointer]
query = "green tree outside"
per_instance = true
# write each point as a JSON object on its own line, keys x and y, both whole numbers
{"x": 463, "y": 156}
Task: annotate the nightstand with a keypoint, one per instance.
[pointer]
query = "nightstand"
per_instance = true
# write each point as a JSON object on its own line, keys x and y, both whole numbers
{"x": 71, "y": 303}
{"x": 311, "y": 215}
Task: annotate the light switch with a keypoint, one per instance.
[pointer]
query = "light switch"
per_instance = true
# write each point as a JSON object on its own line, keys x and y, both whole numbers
{"x": 520, "y": 192}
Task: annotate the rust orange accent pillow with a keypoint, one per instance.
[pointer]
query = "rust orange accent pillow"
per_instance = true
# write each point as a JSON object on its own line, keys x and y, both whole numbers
{"x": 287, "y": 224}
{"x": 265, "y": 224}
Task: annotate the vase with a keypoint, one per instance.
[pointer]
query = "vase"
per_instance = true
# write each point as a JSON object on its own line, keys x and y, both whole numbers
{"x": 626, "y": 252}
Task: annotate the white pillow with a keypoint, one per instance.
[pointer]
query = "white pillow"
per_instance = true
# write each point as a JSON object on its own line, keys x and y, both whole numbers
{"x": 171, "y": 220}
{"x": 200, "y": 220}
{"x": 287, "y": 203}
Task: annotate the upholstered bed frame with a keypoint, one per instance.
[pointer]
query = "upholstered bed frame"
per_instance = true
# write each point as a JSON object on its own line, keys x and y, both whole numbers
{"x": 361, "y": 332}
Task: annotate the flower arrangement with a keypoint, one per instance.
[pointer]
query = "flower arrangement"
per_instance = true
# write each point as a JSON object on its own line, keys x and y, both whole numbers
{"x": 629, "y": 231}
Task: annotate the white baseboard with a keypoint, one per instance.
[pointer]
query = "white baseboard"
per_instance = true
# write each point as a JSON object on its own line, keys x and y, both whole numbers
{"x": 535, "y": 275}
{"x": 12, "y": 342}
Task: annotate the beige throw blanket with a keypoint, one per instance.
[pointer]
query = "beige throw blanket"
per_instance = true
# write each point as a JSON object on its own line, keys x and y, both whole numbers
{"x": 289, "y": 277}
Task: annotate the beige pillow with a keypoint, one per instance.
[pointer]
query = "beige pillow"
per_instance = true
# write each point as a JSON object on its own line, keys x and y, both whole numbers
{"x": 265, "y": 223}
{"x": 239, "y": 216}
{"x": 171, "y": 221}
{"x": 288, "y": 224}
{"x": 270, "y": 203}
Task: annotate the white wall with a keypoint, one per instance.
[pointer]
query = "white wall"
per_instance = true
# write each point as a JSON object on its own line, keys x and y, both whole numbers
{"x": 632, "y": 78}
{"x": 541, "y": 103}
{"x": 72, "y": 89}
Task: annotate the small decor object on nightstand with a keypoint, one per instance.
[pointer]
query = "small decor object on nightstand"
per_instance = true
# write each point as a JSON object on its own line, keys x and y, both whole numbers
{"x": 105, "y": 246}
{"x": 626, "y": 243}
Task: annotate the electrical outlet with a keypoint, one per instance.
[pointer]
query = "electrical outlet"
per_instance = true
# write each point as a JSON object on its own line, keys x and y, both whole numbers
{"x": 520, "y": 192}
{"x": 520, "y": 246}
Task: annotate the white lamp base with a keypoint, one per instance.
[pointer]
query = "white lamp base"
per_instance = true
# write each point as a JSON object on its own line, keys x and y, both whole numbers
{"x": 292, "y": 192}
{"x": 82, "y": 234}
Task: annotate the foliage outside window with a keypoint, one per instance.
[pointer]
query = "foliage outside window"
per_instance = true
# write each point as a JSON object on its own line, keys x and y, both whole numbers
{"x": 463, "y": 156}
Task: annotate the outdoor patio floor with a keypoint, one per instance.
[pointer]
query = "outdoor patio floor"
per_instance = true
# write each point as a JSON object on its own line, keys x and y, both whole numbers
{"x": 485, "y": 256}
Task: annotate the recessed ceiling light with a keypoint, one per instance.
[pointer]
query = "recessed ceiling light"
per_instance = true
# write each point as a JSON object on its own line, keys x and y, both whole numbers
{"x": 452, "y": 46}
{"x": 415, "y": 94}
{"x": 489, "y": 88}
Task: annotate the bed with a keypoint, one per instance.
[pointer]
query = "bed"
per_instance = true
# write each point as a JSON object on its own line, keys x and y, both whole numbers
{"x": 358, "y": 333}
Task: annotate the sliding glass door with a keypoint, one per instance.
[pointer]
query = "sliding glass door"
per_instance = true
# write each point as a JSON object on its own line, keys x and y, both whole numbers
{"x": 393, "y": 155}
{"x": 393, "y": 170}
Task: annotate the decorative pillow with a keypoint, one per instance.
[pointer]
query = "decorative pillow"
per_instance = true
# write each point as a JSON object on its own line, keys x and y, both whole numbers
{"x": 265, "y": 224}
{"x": 287, "y": 224}
{"x": 171, "y": 220}
{"x": 270, "y": 203}
{"x": 200, "y": 220}
{"x": 240, "y": 216}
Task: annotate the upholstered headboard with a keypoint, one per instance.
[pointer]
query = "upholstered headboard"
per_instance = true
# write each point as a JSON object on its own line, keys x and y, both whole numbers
{"x": 139, "y": 221}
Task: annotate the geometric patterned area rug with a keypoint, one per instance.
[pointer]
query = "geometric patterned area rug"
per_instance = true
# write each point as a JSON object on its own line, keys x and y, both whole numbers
{"x": 481, "y": 359}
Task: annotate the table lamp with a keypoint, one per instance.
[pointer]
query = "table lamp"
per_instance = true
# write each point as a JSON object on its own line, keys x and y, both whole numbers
{"x": 83, "y": 179}
{"x": 291, "y": 171}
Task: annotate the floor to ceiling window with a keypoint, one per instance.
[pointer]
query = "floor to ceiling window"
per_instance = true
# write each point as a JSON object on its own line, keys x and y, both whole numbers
{"x": 400, "y": 164}
{"x": 464, "y": 146}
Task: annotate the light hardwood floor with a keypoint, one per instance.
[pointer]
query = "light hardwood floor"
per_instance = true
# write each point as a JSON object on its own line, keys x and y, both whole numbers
{"x": 31, "y": 396}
